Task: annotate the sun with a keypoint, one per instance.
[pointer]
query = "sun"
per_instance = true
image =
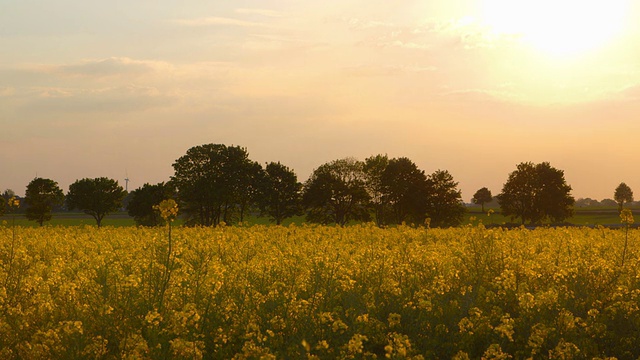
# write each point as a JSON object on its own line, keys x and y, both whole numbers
{"x": 558, "y": 27}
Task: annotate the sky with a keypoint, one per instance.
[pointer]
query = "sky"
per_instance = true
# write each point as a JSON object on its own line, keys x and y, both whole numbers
{"x": 122, "y": 89}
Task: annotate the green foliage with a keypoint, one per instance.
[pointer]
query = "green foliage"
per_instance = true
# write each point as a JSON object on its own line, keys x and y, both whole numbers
{"x": 336, "y": 193}
{"x": 96, "y": 197}
{"x": 374, "y": 167}
{"x": 280, "y": 193}
{"x": 444, "y": 202}
{"x": 482, "y": 196}
{"x": 142, "y": 201}
{"x": 622, "y": 194}
{"x": 406, "y": 191}
{"x": 536, "y": 193}
{"x": 41, "y": 196}
{"x": 215, "y": 183}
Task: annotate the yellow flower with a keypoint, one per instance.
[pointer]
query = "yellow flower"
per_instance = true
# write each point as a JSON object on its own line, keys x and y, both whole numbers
{"x": 168, "y": 209}
{"x": 626, "y": 217}
{"x": 13, "y": 202}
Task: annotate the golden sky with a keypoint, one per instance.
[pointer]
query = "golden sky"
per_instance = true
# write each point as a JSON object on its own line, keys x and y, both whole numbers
{"x": 121, "y": 88}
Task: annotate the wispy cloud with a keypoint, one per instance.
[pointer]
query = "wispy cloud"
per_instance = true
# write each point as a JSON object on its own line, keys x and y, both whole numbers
{"x": 113, "y": 66}
{"x": 479, "y": 96}
{"x": 427, "y": 35}
{"x": 376, "y": 71}
{"x": 262, "y": 12}
{"x": 217, "y": 21}
{"x": 120, "y": 99}
{"x": 7, "y": 91}
{"x": 629, "y": 93}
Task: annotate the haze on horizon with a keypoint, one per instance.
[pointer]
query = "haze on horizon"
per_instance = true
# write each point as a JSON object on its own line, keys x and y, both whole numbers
{"x": 124, "y": 88}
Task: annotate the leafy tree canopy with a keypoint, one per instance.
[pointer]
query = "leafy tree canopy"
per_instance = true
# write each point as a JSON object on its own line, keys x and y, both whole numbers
{"x": 280, "y": 193}
{"x": 536, "y": 193}
{"x": 444, "y": 204}
{"x": 374, "y": 167}
{"x": 623, "y": 194}
{"x": 406, "y": 190}
{"x": 40, "y": 197}
{"x": 144, "y": 199}
{"x": 482, "y": 196}
{"x": 336, "y": 193}
{"x": 212, "y": 182}
{"x": 96, "y": 197}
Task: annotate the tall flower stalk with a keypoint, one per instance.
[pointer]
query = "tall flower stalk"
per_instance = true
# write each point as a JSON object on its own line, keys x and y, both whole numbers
{"x": 13, "y": 204}
{"x": 626, "y": 218}
{"x": 168, "y": 210}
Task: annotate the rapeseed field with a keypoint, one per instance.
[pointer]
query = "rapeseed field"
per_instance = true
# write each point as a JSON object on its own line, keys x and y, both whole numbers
{"x": 315, "y": 292}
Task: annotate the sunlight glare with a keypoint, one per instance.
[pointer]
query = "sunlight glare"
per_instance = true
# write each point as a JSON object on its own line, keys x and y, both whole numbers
{"x": 557, "y": 27}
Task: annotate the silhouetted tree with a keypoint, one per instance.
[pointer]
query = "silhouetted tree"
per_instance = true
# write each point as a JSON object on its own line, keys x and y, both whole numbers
{"x": 249, "y": 177}
{"x": 482, "y": 196}
{"x": 8, "y": 194}
{"x": 336, "y": 192}
{"x": 536, "y": 193}
{"x": 406, "y": 190}
{"x": 96, "y": 197}
{"x": 142, "y": 201}
{"x": 622, "y": 195}
{"x": 587, "y": 202}
{"x": 444, "y": 204}
{"x": 40, "y": 197}
{"x": 608, "y": 203}
{"x": 280, "y": 195}
{"x": 212, "y": 182}
{"x": 373, "y": 168}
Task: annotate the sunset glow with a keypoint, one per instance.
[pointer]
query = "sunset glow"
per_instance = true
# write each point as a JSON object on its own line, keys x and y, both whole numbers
{"x": 474, "y": 87}
{"x": 560, "y": 28}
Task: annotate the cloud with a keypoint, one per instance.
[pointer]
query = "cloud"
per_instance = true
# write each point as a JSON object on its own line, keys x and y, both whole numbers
{"x": 262, "y": 12}
{"x": 112, "y": 66}
{"x": 7, "y": 91}
{"x": 96, "y": 68}
{"x": 375, "y": 71}
{"x": 120, "y": 99}
{"x": 479, "y": 96}
{"x": 462, "y": 33}
{"x": 217, "y": 21}
{"x": 630, "y": 93}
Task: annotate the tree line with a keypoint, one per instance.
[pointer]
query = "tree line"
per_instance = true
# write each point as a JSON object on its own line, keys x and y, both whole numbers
{"x": 218, "y": 184}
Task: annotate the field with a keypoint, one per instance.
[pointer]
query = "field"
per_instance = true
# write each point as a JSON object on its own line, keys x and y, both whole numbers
{"x": 474, "y": 215}
{"x": 252, "y": 292}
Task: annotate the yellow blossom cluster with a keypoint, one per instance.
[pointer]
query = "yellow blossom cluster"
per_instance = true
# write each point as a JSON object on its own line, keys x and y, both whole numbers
{"x": 317, "y": 292}
{"x": 168, "y": 209}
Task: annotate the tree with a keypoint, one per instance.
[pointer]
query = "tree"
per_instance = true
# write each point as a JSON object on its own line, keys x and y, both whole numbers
{"x": 280, "y": 196}
{"x": 8, "y": 194}
{"x": 406, "y": 190}
{"x": 249, "y": 177}
{"x": 40, "y": 197}
{"x": 336, "y": 193}
{"x": 214, "y": 182}
{"x": 142, "y": 201}
{"x": 622, "y": 195}
{"x": 482, "y": 196}
{"x": 96, "y": 197}
{"x": 587, "y": 202}
{"x": 444, "y": 203}
{"x": 608, "y": 203}
{"x": 373, "y": 168}
{"x": 536, "y": 193}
